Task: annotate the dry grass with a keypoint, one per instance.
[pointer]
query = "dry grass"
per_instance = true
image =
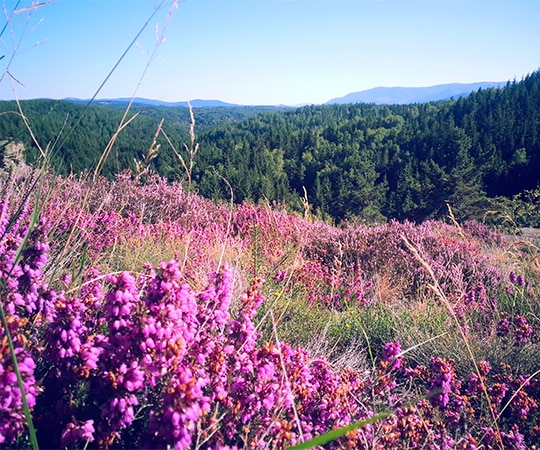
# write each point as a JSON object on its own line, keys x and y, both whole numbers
{"x": 387, "y": 290}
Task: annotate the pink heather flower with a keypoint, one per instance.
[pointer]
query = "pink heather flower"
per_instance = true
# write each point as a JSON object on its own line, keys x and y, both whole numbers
{"x": 521, "y": 280}
{"x": 522, "y": 330}
{"x": 133, "y": 378}
{"x": 392, "y": 355}
{"x": 77, "y": 431}
{"x": 443, "y": 376}
{"x": 474, "y": 385}
{"x": 90, "y": 354}
{"x": 484, "y": 367}
{"x": 466, "y": 443}
{"x": 503, "y": 327}
{"x": 118, "y": 413}
{"x": 266, "y": 371}
{"x": 513, "y": 439}
{"x": 65, "y": 278}
{"x": 497, "y": 392}
{"x": 513, "y": 277}
{"x": 280, "y": 276}
{"x": 12, "y": 419}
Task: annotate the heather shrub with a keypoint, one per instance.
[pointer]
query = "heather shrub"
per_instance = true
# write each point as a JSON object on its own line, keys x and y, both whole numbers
{"x": 260, "y": 329}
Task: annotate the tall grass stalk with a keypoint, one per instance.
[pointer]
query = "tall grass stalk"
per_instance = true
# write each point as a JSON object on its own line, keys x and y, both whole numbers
{"x": 191, "y": 150}
{"x": 33, "y": 220}
{"x": 27, "y": 124}
{"x": 116, "y": 65}
{"x": 124, "y": 122}
{"x": 26, "y": 408}
{"x": 437, "y": 290}
{"x": 46, "y": 155}
{"x": 15, "y": 11}
{"x": 522, "y": 385}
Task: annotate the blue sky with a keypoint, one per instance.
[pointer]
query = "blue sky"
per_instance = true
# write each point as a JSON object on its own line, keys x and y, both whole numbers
{"x": 264, "y": 51}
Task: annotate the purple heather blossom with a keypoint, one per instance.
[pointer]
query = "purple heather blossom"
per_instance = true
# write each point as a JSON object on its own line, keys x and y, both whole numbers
{"x": 513, "y": 439}
{"x": 513, "y": 277}
{"x": 503, "y": 327}
{"x": 280, "y": 276}
{"x": 12, "y": 420}
{"x": 441, "y": 387}
{"x": 117, "y": 413}
{"x": 522, "y": 330}
{"x": 75, "y": 432}
{"x": 474, "y": 385}
{"x": 392, "y": 355}
{"x": 497, "y": 392}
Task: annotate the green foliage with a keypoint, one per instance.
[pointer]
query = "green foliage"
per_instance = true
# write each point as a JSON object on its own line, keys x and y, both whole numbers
{"x": 407, "y": 162}
{"x": 337, "y": 433}
{"x": 514, "y": 214}
{"x": 51, "y": 122}
{"x": 297, "y": 322}
{"x": 374, "y": 326}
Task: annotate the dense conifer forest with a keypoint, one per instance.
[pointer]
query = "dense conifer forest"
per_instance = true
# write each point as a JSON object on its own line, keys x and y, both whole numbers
{"x": 373, "y": 162}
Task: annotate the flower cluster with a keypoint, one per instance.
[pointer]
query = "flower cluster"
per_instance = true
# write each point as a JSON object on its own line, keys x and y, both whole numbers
{"x": 12, "y": 419}
{"x": 337, "y": 287}
{"x": 516, "y": 327}
{"x": 158, "y": 358}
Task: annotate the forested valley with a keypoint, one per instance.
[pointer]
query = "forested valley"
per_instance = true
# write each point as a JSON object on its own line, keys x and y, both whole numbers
{"x": 478, "y": 155}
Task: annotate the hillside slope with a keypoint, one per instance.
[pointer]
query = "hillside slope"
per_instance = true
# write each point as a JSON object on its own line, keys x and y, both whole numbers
{"x": 145, "y": 316}
{"x": 373, "y": 162}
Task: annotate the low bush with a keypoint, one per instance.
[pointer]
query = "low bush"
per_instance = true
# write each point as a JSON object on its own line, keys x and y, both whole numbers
{"x": 260, "y": 329}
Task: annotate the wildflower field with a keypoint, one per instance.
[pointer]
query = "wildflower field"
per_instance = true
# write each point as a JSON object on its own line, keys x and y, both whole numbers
{"x": 138, "y": 315}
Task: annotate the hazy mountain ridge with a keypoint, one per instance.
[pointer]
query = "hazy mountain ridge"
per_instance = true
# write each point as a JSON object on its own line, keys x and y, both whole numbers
{"x": 407, "y": 95}
{"x": 378, "y": 95}
{"x": 152, "y": 102}
{"x": 196, "y": 103}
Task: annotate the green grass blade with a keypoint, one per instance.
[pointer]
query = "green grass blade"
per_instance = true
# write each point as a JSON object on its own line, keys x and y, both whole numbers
{"x": 337, "y": 433}
{"x": 83, "y": 112}
{"x": 33, "y": 220}
{"x": 27, "y": 413}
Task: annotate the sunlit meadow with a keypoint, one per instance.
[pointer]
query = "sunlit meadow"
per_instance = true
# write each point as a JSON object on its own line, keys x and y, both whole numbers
{"x": 136, "y": 314}
{"x": 142, "y": 315}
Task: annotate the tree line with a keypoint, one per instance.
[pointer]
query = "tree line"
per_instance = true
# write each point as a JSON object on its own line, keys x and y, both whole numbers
{"x": 408, "y": 162}
{"x": 373, "y": 162}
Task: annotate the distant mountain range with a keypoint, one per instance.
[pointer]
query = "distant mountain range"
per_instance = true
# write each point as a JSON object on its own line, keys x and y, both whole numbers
{"x": 146, "y": 101}
{"x": 406, "y": 95}
{"x": 379, "y": 95}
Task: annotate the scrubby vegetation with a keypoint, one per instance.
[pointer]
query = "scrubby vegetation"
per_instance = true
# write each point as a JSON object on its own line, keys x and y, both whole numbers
{"x": 142, "y": 315}
{"x": 479, "y": 153}
{"x": 161, "y": 295}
